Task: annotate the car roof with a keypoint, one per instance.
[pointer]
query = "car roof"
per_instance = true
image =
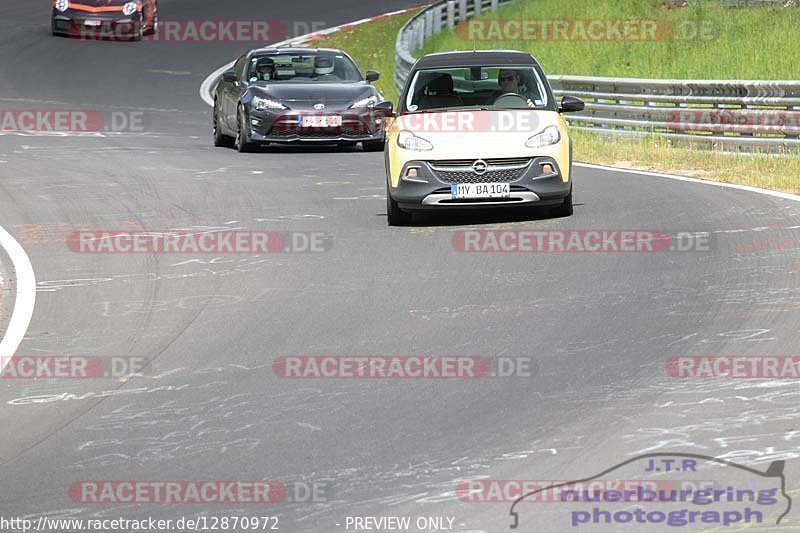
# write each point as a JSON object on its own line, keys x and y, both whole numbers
{"x": 293, "y": 50}
{"x": 475, "y": 58}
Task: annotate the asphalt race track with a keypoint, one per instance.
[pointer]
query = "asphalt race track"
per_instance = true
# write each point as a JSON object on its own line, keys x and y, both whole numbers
{"x": 601, "y": 326}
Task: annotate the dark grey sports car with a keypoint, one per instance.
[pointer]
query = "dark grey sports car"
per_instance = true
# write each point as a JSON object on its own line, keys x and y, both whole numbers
{"x": 298, "y": 95}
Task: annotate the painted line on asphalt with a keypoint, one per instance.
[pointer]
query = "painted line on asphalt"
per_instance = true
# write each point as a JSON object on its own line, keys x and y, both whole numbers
{"x": 210, "y": 83}
{"x": 759, "y": 190}
{"x": 24, "y": 299}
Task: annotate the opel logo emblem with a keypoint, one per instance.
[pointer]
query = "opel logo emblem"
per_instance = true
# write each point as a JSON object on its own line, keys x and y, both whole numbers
{"x": 319, "y": 106}
{"x": 480, "y": 167}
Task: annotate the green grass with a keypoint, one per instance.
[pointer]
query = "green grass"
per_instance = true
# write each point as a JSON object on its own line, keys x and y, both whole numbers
{"x": 372, "y": 46}
{"x": 750, "y": 43}
{"x": 657, "y": 154}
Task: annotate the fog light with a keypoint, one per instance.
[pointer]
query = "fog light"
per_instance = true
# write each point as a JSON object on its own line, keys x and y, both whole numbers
{"x": 412, "y": 175}
{"x": 547, "y": 169}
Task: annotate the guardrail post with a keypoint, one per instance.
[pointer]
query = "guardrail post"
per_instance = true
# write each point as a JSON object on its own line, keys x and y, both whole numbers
{"x": 421, "y": 33}
{"x": 494, "y": 4}
{"x": 437, "y": 20}
{"x": 462, "y": 10}
{"x": 451, "y": 14}
{"x": 478, "y": 7}
{"x": 428, "y": 23}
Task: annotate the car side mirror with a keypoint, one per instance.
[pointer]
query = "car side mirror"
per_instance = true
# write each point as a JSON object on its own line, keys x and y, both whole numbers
{"x": 384, "y": 109}
{"x": 229, "y": 76}
{"x": 570, "y": 104}
{"x": 373, "y": 76}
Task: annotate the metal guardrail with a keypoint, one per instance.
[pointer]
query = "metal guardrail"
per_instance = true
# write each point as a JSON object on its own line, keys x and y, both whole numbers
{"x": 745, "y": 115}
{"x": 735, "y": 114}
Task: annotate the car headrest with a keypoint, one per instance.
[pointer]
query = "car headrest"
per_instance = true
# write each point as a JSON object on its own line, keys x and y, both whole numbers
{"x": 443, "y": 83}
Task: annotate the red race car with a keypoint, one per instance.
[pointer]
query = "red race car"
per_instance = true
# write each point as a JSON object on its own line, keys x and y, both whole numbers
{"x": 109, "y": 19}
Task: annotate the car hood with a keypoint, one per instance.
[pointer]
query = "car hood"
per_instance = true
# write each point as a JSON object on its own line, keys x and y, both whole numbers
{"x": 490, "y": 134}
{"x": 307, "y": 95}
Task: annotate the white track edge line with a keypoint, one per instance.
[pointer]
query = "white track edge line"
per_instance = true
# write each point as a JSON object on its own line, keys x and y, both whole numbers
{"x": 768, "y": 192}
{"x": 24, "y": 300}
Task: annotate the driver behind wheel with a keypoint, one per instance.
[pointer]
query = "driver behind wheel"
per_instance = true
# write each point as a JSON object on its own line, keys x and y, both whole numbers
{"x": 265, "y": 69}
{"x": 510, "y": 81}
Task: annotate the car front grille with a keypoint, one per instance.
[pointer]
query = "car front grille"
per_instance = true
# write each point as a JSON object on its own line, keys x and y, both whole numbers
{"x": 497, "y": 171}
{"x": 316, "y": 133}
{"x": 351, "y": 127}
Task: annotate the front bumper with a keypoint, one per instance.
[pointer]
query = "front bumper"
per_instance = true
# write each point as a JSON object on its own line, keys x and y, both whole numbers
{"x": 529, "y": 184}
{"x": 285, "y": 126}
{"x": 93, "y": 25}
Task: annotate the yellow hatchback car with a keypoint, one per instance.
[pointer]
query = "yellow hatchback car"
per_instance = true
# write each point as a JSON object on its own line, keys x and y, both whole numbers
{"x": 478, "y": 130}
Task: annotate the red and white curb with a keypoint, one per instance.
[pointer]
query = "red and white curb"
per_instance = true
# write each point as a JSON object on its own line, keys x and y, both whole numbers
{"x": 208, "y": 85}
{"x": 24, "y": 299}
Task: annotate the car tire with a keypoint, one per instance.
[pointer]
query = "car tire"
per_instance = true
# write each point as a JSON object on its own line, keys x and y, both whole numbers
{"x": 373, "y": 146}
{"x": 395, "y": 215}
{"x": 241, "y": 143}
{"x": 565, "y": 209}
{"x": 220, "y": 139}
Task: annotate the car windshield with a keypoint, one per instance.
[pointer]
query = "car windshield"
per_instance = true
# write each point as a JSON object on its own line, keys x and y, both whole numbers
{"x": 302, "y": 68}
{"x": 490, "y": 87}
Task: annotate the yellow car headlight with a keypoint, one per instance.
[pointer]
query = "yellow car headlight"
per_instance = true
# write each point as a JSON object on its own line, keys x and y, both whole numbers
{"x": 409, "y": 141}
{"x": 546, "y": 137}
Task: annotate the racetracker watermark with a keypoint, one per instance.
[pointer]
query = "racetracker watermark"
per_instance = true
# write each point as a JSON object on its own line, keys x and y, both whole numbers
{"x": 591, "y": 30}
{"x": 404, "y": 367}
{"x": 779, "y": 244}
{"x": 735, "y": 120}
{"x": 71, "y": 366}
{"x": 472, "y": 121}
{"x": 194, "y": 242}
{"x": 184, "y": 31}
{"x": 72, "y": 121}
{"x": 202, "y": 492}
{"x": 549, "y": 491}
{"x": 734, "y": 367}
{"x": 177, "y": 492}
{"x": 580, "y": 241}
